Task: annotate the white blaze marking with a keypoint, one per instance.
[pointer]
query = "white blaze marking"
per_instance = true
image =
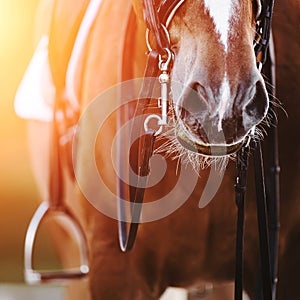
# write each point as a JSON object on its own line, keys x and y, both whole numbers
{"x": 221, "y": 12}
{"x": 224, "y": 100}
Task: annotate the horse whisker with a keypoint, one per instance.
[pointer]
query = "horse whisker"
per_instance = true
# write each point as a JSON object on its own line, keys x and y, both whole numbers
{"x": 171, "y": 148}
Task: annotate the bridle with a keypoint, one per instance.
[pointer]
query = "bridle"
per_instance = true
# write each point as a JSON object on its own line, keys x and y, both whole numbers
{"x": 157, "y": 18}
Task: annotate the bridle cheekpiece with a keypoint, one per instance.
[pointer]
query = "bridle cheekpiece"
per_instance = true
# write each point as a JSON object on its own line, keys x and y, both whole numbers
{"x": 158, "y": 19}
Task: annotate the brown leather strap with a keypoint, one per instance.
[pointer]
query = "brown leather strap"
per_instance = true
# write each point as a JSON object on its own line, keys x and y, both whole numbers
{"x": 165, "y": 9}
{"x": 240, "y": 191}
{"x": 142, "y": 151}
{"x": 273, "y": 168}
{"x": 137, "y": 187}
{"x": 272, "y": 176}
{"x": 263, "y": 31}
{"x": 56, "y": 181}
{"x": 127, "y": 239}
{"x": 62, "y": 37}
{"x": 155, "y": 26}
{"x": 262, "y": 222}
{"x": 267, "y": 210}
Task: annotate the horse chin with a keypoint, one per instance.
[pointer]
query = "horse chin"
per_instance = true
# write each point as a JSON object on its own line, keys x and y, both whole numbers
{"x": 211, "y": 150}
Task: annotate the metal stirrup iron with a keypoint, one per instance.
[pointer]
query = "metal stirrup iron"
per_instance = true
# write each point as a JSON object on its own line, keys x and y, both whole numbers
{"x": 33, "y": 276}
{"x": 54, "y": 206}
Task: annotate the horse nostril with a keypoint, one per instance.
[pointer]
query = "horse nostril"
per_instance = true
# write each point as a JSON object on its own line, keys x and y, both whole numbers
{"x": 195, "y": 102}
{"x": 257, "y": 107}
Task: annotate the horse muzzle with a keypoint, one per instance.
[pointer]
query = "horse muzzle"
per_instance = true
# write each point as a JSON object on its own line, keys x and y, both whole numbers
{"x": 216, "y": 150}
{"x": 201, "y": 128}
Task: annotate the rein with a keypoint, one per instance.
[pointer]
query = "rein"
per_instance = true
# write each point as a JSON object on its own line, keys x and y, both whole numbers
{"x": 267, "y": 197}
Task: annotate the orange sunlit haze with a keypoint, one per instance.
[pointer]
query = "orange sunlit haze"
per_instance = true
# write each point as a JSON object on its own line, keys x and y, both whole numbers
{"x": 18, "y": 192}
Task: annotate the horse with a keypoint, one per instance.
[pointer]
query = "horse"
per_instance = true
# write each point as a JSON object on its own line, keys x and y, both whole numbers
{"x": 220, "y": 103}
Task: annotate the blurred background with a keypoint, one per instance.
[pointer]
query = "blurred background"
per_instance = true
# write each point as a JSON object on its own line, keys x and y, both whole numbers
{"x": 18, "y": 193}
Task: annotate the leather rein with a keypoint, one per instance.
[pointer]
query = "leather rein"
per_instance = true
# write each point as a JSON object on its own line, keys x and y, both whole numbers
{"x": 157, "y": 18}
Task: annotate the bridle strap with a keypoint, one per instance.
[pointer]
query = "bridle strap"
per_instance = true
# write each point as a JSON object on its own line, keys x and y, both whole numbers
{"x": 155, "y": 26}
{"x": 158, "y": 18}
{"x": 263, "y": 31}
{"x": 166, "y": 10}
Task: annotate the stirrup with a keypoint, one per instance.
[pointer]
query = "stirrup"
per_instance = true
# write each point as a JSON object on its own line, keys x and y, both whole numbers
{"x": 38, "y": 276}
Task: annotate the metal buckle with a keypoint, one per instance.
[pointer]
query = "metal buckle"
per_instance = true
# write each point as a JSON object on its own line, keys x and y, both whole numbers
{"x": 164, "y": 79}
{"x": 37, "y": 276}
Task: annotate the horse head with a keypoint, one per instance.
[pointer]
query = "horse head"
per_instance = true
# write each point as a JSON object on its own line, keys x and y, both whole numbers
{"x": 218, "y": 93}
